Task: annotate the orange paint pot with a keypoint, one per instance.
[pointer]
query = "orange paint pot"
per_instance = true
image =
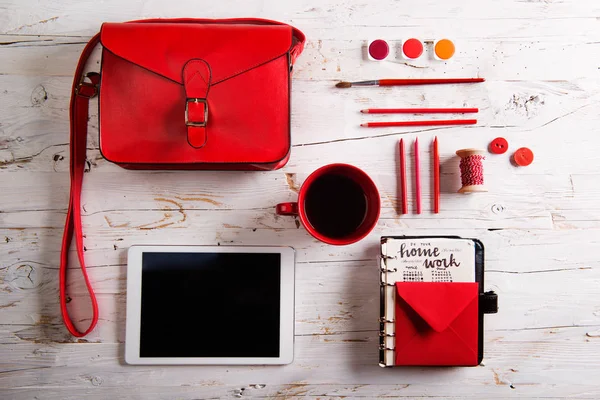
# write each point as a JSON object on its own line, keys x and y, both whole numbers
{"x": 444, "y": 49}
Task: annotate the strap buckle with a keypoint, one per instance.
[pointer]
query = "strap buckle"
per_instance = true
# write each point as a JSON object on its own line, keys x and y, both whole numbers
{"x": 196, "y": 100}
{"x": 89, "y": 88}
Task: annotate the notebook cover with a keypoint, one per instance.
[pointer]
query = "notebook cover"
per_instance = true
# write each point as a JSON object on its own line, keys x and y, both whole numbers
{"x": 387, "y": 342}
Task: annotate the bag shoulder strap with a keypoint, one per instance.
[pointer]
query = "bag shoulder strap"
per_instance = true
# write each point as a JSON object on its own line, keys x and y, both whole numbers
{"x": 84, "y": 88}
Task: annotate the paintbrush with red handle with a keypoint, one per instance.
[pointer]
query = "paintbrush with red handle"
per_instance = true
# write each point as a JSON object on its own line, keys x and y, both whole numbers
{"x": 408, "y": 82}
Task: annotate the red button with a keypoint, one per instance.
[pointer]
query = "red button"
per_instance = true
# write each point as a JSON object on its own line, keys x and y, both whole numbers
{"x": 498, "y": 146}
{"x": 523, "y": 157}
{"x": 412, "y": 48}
{"x": 379, "y": 49}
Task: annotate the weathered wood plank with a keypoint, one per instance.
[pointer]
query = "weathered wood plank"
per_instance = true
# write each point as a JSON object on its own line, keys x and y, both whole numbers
{"x": 292, "y": 390}
{"x": 344, "y": 359}
{"x": 74, "y": 17}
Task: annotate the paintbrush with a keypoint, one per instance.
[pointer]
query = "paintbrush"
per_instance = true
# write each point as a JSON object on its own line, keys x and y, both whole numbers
{"x": 408, "y": 82}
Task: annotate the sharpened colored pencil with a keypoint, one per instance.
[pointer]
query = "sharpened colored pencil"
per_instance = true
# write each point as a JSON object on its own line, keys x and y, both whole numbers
{"x": 403, "y": 177}
{"x": 436, "y": 177}
{"x": 419, "y": 110}
{"x": 420, "y": 123}
{"x": 417, "y": 177}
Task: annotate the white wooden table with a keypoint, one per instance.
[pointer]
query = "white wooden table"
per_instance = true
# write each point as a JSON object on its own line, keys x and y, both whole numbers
{"x": 540, "y": 224}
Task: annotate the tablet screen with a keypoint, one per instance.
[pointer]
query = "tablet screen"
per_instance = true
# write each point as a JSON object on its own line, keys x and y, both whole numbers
{"x": 210, "y": 305}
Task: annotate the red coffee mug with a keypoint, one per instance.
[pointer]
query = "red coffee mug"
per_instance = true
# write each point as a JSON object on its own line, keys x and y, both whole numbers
{"x": 338, "y": 204}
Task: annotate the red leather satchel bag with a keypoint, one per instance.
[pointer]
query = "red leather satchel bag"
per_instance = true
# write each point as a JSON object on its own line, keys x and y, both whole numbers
{"x": 182, "y": 94}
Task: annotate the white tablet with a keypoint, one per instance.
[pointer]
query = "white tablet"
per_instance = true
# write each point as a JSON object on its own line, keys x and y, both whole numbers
{"x": 210, "y": 305}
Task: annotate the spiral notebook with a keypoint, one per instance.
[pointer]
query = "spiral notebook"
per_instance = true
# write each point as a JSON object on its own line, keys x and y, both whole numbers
{"x": 452, "y": 265}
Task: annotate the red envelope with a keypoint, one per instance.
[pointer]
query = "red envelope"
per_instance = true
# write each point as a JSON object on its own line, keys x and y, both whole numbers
{"x": 437, "y": 323}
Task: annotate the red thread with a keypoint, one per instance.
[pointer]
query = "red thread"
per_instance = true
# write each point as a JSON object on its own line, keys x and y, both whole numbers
{"x": 471, "y": 170}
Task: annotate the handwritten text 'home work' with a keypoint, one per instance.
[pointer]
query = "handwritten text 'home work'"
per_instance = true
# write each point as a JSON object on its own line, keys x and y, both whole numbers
{"x": 436, "y": 262}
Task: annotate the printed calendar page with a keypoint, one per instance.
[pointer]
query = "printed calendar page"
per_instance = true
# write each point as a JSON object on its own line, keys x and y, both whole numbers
{"x": 431, "y": 259}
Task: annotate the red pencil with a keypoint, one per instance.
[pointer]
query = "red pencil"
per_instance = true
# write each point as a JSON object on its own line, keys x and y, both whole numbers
{"x": 436, "y": 177}
{"x": 420, "y": 123}
{"x": 417, "y": 177}
{"x": 419, "y": 110}
{"x": 403, "y": 177}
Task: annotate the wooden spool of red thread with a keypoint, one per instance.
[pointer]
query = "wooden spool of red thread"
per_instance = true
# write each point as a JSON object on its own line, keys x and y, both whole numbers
{"x": 471, "y": 184}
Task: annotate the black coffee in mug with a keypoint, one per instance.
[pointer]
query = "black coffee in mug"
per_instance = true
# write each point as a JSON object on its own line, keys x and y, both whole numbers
{"x": 335, "y": 205}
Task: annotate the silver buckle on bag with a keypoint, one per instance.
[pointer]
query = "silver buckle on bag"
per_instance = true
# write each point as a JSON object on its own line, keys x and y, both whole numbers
{"x": 196, "y": 123}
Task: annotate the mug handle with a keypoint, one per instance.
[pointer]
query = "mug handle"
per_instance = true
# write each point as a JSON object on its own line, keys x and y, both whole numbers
{"x": 287, "y": 209}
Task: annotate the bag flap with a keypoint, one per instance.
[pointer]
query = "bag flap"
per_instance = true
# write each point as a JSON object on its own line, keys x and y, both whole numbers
{"x": 438, "y": 303}
{"x": 165, "y": 47}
